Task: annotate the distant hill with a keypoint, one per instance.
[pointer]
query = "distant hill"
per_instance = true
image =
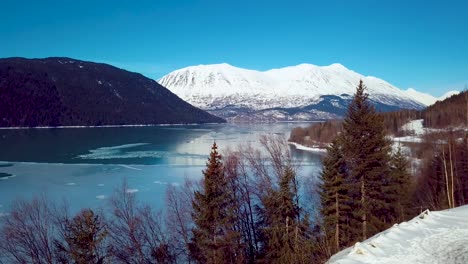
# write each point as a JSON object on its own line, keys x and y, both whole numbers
{"x": 70, "y": 92}
{"x": 451, "y": 112}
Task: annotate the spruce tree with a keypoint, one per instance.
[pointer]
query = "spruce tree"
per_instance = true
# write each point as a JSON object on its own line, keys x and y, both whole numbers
{"x": 285, "y": 234}
{"x": 400, "y": 187}
{"x": 214, "y": 238}
{"x": 84, "y": 236}
{"x": 334, "y": 197}
{"x": 366, "y": 149}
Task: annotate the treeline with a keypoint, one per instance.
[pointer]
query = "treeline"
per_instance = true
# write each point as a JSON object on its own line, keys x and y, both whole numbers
{"x": 316, "y": 135}
{"x": 451, "y": 112}
{"x": 447, "y": 114}
{"x": 443, "y": 179}
{"x": 322, "y": 134}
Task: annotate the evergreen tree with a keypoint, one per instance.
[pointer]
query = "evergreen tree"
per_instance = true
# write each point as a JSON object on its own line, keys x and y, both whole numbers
{"x": 285, "y": 234}
{"x": 214, "y": 238}
{"x": 366, "y": 149}
{"x": 399, "y": 189}
{"x": 334, "y": 197}
{"x": 84, "y": 237}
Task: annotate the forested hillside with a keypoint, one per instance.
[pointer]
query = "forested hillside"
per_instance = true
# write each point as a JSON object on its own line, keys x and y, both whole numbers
{"x": 69, "y": 92}
{"x": 451, "y": 113}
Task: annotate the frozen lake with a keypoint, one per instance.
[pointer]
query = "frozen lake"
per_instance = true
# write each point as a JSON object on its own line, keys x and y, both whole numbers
{"x": 86, "y": 165}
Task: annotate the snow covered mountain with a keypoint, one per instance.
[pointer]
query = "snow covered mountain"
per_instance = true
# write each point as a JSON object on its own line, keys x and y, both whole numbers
{"x": 227, "y": 90}
{"x": 431, "y": 237}
{"x": 427, "y": 99}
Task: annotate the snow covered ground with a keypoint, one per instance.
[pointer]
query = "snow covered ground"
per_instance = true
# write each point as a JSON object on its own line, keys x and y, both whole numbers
{"x": 431, "y": 237}
{"x": 416, "y": 130}
{"x": 311, "y": 149}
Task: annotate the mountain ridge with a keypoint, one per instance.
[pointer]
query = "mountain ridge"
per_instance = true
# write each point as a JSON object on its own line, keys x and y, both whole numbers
{"x": 61, "y": 91}
{"x": 214, "y": 87}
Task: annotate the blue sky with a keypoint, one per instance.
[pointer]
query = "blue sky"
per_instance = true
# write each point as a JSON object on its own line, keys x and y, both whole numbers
{"x": 419, "y": 44}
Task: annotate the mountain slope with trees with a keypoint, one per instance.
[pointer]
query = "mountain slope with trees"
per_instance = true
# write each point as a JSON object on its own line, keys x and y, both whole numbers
{"x": 451, "y": 113}
{"x": 70, "y": 92}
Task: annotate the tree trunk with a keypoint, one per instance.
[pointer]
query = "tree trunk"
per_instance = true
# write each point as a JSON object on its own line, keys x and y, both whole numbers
{"x": 446, "y": 179}
{"x": 452, "y": 193}
{"x": 337, "y": 226}
{"x": 364, "y": 209}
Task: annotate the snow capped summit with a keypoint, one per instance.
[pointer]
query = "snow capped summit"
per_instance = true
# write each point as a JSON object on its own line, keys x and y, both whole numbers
{"x": 448, "y": 94}
{"x": 218, "y": 85}
{"x": 427, "y": 99}
{"x": 423, "y": 98}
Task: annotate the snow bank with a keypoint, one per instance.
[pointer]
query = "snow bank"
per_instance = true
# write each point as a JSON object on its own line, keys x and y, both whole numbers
{"x": 416, "y": 126}
{"x": 431, "y": 237}
{"x": 311, "y": 149}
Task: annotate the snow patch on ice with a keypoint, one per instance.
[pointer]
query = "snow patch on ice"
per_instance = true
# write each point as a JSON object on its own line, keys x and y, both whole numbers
{"x": 118, "y": 152}
{"x": 7, "y": 177}
{"x": 130, "y": 167}
{"x": 132, "y": 190}
{"x": 160, "y": 182}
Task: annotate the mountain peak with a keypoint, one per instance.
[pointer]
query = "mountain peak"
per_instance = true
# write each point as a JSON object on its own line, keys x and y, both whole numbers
{"x": 448, "y": 94}
{"x": 337, "y": 66}
{"x": 218, "y": 85}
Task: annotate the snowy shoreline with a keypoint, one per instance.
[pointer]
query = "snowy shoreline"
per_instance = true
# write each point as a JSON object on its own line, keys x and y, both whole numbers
{"x": 310, "y": 149}
{"x": 110, "y": 126}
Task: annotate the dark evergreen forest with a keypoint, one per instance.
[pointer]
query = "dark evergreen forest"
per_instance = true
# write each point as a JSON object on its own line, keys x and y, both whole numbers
{"x": 68, "y": 92}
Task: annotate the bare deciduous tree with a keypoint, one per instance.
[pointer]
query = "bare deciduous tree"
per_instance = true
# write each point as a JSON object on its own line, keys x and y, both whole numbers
{"x": 136, "y": 233}
{"x": 179, "y": 221}
{"x": 28, "y": 232}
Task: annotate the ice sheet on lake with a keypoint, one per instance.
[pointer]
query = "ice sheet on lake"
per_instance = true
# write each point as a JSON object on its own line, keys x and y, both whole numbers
{"x": 120, "y": 152}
